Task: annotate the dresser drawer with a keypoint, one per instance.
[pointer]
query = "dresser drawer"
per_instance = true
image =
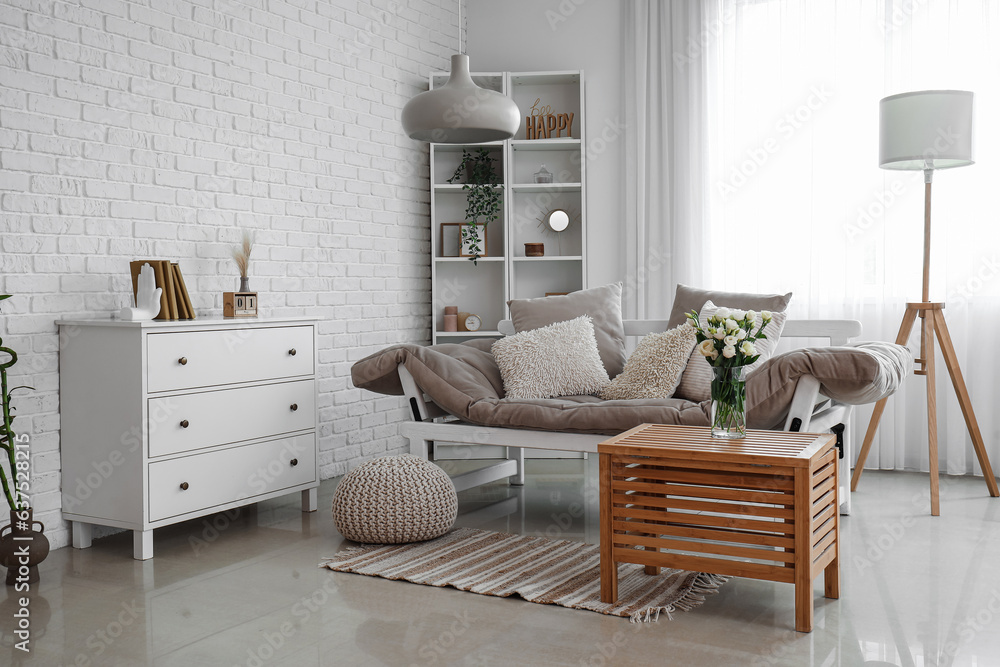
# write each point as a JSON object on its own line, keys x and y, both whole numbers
{"x": 223, "y": 476}
{"x": 185, "y": 360}
{"x": 208, "y": 418}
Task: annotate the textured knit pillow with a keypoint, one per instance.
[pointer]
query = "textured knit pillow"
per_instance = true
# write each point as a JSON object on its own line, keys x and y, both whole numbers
{"x": 654, "y": 369}
{"x": 696, "y": 382}
{"x": 560, "y": 359}
{"x": 602, "y": 304}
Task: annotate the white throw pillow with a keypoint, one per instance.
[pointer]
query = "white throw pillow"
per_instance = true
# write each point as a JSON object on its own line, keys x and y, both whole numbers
{"x": 654, "y": 369}
{"x": 560, "y": 359}
{"x": 696, "y": 382}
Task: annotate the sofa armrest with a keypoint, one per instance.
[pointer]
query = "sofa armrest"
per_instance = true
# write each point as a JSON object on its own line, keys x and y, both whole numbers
{"x": 420, "y": 406}
{"x": 803, "y": 403}
{"x": 839, "y": 332}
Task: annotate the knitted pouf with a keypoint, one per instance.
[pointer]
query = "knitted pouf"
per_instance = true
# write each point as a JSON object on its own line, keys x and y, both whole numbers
{"x": 395, "y": 499}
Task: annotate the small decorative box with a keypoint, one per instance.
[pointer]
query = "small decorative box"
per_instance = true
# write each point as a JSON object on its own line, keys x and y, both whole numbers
{"x": 543, "y": 175}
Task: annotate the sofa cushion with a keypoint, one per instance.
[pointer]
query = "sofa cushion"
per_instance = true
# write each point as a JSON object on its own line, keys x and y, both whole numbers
{"x": 654, "y": 369}
{"x": 687, "y": 299}
{"x": 602, "y": 304}
{"x": 560, "y": 359}
{"x": 696, "y": 382}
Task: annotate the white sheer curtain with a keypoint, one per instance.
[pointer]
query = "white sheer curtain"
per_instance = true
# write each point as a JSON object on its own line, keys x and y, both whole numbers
{"x": 665, "y": 153}
{"x": 783, "y": 97}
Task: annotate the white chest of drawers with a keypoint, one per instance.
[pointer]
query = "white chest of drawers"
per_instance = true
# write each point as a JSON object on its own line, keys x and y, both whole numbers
{"x": 167, "y": 421}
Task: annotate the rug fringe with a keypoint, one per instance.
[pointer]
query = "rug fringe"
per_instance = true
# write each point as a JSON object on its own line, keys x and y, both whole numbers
{"x": 652, "y": 614}
{"x": 704, "y": 584}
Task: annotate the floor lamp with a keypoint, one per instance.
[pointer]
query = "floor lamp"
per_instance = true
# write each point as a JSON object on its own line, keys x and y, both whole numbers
{"x": 924, "y": 131}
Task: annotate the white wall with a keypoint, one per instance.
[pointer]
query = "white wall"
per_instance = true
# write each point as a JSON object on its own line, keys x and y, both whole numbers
{"x": 529, "y": 35}
{"x": 161, "y": 128}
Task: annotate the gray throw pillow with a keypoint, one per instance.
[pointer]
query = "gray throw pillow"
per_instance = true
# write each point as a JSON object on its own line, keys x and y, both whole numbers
{"x": 687, "y": 299}
{"x": 602, "y": 304}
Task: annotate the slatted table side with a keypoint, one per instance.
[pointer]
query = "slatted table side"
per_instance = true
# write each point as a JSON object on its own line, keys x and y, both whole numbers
{"x": 826, "y": 522}
{"x": 816, "y": 511}
{"x": 739, "y": 516}
{"x": 823, "y": 504}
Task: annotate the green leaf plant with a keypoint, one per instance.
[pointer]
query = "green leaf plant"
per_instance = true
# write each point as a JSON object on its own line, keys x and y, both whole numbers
{"x": 8, "y": 439}
{"x": 484, "y": 197}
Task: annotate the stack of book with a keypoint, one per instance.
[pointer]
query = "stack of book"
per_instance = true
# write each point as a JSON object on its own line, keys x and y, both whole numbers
{"x": 175, "y": 303}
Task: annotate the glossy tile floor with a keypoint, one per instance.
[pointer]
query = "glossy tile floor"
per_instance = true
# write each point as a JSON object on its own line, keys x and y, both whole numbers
{"x": 244, "y": 589}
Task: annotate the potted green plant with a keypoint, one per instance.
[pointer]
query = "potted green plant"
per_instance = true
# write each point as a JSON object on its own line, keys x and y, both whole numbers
{"x": 21, "y": 547}
{"x": 484, "y": 197}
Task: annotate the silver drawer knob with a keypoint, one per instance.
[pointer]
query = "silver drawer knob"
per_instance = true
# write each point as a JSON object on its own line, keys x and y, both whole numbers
{"x": 183, "y": 361}
{"x": 293, "y": 407}
{"x": 184, "y": 486}
{"x": 291, "y": 352}
{"x": 185, "y": 423}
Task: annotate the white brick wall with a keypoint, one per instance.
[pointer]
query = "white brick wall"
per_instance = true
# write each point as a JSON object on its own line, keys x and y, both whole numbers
{"x": 161, "y": 128}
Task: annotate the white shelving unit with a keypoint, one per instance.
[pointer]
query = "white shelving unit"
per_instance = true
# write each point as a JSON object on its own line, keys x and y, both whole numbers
{"x": 505, "y": 272}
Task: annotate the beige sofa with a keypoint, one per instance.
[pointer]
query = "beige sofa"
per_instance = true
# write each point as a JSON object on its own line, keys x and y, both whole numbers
{"x": 455, "y": 394}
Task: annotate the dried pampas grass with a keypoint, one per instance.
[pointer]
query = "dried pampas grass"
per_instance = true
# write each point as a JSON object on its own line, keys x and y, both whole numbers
{"x": 241, "y": 253}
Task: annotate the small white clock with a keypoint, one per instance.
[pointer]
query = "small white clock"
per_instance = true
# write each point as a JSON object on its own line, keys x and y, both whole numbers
{"x": 469, "y": 322}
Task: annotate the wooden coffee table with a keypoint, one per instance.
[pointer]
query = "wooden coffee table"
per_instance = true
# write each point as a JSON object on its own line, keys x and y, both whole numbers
{"x": 763, "y": 507}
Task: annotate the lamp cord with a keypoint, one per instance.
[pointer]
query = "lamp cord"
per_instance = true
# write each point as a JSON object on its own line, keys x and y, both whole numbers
{"x": 460, "y": 27}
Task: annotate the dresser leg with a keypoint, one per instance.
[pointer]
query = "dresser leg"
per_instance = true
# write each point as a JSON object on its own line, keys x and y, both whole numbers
{"x": 83, "y": 535}
{"x": 310, "y": 500}
{"x": 142, "y": 544}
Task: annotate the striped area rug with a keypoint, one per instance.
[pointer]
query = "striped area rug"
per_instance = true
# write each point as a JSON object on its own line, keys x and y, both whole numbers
{"x": 536, "y": 568}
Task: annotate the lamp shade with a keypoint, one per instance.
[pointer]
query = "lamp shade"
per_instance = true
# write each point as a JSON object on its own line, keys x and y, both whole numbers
{"x": 929, "y": 129}
{"x": 460, "y": 112}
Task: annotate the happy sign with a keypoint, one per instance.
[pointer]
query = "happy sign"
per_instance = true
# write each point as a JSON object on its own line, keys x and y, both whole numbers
{"x": 541, "y": 123}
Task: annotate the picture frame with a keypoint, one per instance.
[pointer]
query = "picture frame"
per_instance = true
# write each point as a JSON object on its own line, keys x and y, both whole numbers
{"x": 451, "y": 244}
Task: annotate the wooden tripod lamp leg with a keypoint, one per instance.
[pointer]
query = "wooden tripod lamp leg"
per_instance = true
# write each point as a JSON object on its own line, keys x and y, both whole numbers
{"x": 927, "y": 334}
{"x": 867, "y": 444}
{"x": 951, "y": 361}
{"x": 904, "y": 334}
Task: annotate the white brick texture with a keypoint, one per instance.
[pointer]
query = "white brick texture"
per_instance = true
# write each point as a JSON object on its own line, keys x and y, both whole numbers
{"x": 163, "y": 128}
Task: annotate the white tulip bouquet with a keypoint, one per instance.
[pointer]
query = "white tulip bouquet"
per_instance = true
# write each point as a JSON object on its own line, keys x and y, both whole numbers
{"x": 728, "y": 343}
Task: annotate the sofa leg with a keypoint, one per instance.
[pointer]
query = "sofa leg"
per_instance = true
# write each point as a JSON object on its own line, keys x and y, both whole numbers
{"x": 516, "y": 454}
{"x": 845, "y": 464}
{"x": 420, "y": 447}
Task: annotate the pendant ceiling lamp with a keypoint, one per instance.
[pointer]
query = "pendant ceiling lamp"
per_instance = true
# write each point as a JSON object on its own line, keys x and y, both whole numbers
{"x": 460, "y": 112}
